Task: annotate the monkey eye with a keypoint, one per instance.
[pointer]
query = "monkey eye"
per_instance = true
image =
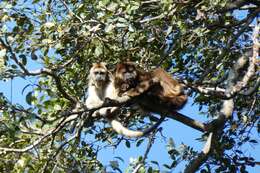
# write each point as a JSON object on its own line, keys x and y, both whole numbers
{"x": 99, "y": 72}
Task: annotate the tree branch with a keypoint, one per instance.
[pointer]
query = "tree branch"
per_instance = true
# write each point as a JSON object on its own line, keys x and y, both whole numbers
{"x": 49, "y": 72}
{"x": 233, "y": 5}
{"x": 151, "y": 19}
{"x": 252, "y": 62}
{"x": 251, "y": 90}
{"x": 40, "y": 140}
{"x": 188, "y": 121}
{"x": 70, "y": 11}
{"x": 227, "y": 108}
{"x": 174, "y": 115}
{"x": 148, "y": 148}
{"x": 201, "y": 158}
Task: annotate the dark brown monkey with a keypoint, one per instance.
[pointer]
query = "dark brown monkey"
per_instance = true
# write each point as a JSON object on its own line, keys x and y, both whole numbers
{"x": 154, "y": 91}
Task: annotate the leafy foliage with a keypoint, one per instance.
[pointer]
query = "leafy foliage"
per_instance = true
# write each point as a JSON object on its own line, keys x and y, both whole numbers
{"x": 197, "y": 41}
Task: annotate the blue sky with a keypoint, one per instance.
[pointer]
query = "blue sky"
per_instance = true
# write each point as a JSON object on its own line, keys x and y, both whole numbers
{"x": 179, "y": 132}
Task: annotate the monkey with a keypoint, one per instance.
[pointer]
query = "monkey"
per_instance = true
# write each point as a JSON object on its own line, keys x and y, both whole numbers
{"x": 100, "y": 86}
{"x": 155, "y": 91}
{"x": 98, "y": 80}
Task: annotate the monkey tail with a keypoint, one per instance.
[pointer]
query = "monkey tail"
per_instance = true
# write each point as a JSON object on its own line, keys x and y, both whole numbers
{"x": 120, "y": 129}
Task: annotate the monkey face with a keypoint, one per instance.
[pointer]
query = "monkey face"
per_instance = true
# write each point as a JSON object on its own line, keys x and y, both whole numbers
{"x": 126, "y": 76}
{"x": 99, "y": 72}
{"x": 126, "y": 72}
{"x": 100, "y": 75}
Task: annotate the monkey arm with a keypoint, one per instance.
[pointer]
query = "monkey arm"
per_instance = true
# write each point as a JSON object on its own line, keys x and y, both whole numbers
{"x": 116, "y": 101}
{"x": 141, "y": 87}
{"x": 133, "y": 92}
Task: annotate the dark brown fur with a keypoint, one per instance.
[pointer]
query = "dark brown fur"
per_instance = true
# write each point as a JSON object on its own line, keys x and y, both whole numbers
{"x": 157, "y": 91}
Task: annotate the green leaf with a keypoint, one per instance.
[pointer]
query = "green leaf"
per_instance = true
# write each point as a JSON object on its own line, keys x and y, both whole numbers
{"x": 119, "y": 158}
{"x": 112, "y": 6}
{"x": 23, "y": 58}
{"x": 169, "y": 30}
{"x": 29, "y": 98}
{"x": 57, "y": 107}
{"x": 121, "y": 25}
{"x": 253, "y": 141}
{"x": 49, "y": 24}
{"x": 127, "y": 143}
{"x": 155, "y": 162}
{"x": 131, "y": 28}
{"x": 33, "y": 56}
{"x": 139, "y": 142}
{"x": 14, "y": 66}
{"x": 166, "y": 166}
{"x": 98, "y": 51}
{"x": 150, "y": 170}
{"x": 114, "y": 164}
{"x": 109, "y": 28}
{"x": 141, "y": 170}
{"x": 2, "y": 53}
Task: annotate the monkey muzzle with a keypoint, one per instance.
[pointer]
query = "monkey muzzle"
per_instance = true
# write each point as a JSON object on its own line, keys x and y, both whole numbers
{"x": 129, "y": 76}
{"x": 100, "y": 76}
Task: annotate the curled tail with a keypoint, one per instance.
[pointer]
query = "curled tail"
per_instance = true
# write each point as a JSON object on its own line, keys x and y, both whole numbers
{"x": 120, "y": 129}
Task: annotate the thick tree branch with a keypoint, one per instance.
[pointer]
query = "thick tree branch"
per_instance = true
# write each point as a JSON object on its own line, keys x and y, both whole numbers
{"x": 251, "y": 90}
{"x": 216, "y": 91}
{"x": 188, "y": 121}
{"x": 221, "y": 92}
{"x": 252, "y": 62}
{"x": 228, "y": 105}
{"x": 201, "y": 158}
{"x": 174, "y": 115}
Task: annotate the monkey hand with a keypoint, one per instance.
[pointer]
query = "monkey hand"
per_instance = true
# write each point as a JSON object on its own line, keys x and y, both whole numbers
{"x": 155, "y": 80}
{"x": 108, "y": 102}
{"x": 124, "y": 98}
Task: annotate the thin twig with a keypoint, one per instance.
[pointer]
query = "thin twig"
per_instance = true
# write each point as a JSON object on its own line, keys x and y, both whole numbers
{"x": 148, "y": 148}
{"x": 40, "y": 140}
{"x": 70, "y": 11}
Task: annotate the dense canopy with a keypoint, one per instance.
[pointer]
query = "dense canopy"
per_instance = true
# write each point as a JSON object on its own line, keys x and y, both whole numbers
{"x": 211, "y": 46}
